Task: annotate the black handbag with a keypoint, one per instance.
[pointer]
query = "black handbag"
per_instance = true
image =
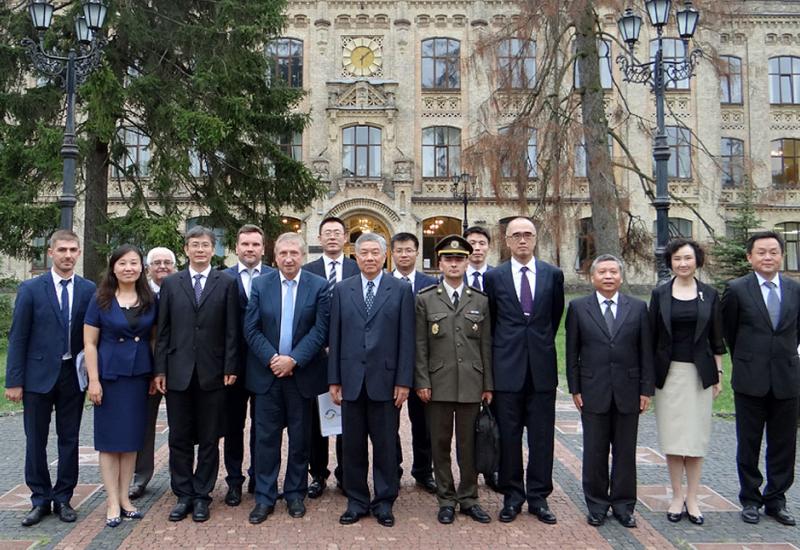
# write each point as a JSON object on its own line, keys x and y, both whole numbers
{"x": 487, "y": 442}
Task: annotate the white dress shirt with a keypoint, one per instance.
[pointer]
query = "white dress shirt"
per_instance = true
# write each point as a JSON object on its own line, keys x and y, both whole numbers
{"x": 284, "y": 287}
{"x": 517, "y": 275}
{"x": 481, "y": 272}
{"x": 339, "y": 263}
{"x": 247, "y": 278}
{"x": 71, "y": 293}
{"x": 764, "y": 290}
{"x": 376, "y": 280}
{"x": 602, "y": 301}
{"x": 449, "y": 289}
{"x": 411, "y": 276}
{"x": 204, "y": 277}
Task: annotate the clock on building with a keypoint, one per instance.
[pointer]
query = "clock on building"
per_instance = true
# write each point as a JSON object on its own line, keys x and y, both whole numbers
{"x": 362, "y": 56}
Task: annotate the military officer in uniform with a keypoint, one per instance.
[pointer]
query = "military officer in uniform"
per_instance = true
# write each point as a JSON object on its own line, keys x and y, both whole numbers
{"x": 453, "y": 374}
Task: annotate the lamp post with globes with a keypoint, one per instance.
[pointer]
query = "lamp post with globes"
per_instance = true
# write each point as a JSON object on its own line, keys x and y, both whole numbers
{"x": 70, "y": 70}
{"x": 465, "y": 188}
{"x": 659, "y": 74}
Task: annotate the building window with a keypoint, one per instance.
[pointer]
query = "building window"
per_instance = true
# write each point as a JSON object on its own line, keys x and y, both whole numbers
{"x": 730, "y": 79}
{"x": 586, "y": 248}
{"x": 508, "y": 159}
{"x": 732, "y": 161}
{"x": 604, "y": 52}
{"x": 791, "y": 238}
{"x": 287, "y": 61}
{"x": 785, "y": 159}
{"x": 678, "y": 227}
{"x": 289, "y": 224}
{"x": 441, "y": 64}
{"x": 361, "y": 151}
{"x": 516, "y": 60}
{"x": 674, "y": 55}
{"x": 219, "y": 232}
{"x": 433, "y": 229}
{"x": 679, "y": 165}
{"x": 441, "y": 152}
{"x": 137, "y": 154}
{"x": 41, "y": 261}
{"x": 784, "y": 80}
{"x": 581, "y": 163}
{"x": 292, "y": 145}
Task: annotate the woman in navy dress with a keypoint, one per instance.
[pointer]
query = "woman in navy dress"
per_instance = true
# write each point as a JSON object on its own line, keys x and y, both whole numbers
{"x": 118, "y": 331}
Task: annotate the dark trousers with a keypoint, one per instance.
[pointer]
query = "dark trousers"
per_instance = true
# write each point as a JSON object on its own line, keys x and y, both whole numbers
{"x": 282, "y": 405}
{"x": 195, "y": 416}
{"x": 779, "y": 416}
{"x": 378, "y": 420}
{"x": 421, "y": 467}
{"x": 145, "y": 459}
{"x": 67, "y": 399}
{"x": 618, "y": 431}
{"x": 441, "y": 415}
{"x": 318, "y": 458}
{"x": 535, "y": 411}
{"x": 237, "y": 398}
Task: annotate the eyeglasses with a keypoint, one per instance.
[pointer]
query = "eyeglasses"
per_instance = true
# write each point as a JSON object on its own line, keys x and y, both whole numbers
{"x": 333, "y": 233}
{"x": 159, "y": 263}
{"x": 205, "y": 245}
{"x": 527, "y": 235}
{"x": 405, "y": 250}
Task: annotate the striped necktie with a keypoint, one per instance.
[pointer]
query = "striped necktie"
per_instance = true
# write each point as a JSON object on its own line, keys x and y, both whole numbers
{"x": 332, "y": 277}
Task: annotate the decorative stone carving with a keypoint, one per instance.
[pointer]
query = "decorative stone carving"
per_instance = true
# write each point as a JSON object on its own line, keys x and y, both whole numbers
{"x": 321, "y": 169}
{"x": 441, "y": 105}
{"x": 403, "y": 170}
{"x": 782, "y": 118}
{"x": 731, "y": 119}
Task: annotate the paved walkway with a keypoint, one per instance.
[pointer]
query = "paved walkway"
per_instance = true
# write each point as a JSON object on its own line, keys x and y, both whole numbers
{"x": 415, "y": 510}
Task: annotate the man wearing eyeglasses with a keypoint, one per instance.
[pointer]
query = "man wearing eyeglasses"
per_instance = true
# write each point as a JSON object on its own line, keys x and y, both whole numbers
{"x": 526, "y": 300}
{"x": 160, "y": 265}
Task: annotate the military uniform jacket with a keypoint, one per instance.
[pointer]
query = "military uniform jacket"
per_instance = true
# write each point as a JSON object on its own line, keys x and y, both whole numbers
{"x": 454, "y": 346}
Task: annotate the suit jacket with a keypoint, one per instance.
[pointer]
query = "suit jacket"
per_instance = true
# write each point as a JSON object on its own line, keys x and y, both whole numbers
{"x": 520, "y": 342}
{"x": 204, "y": 337}
{"x": 454, "y": 345}
{"x": 421, "y": 280}
{"x": 309, "y": 332}
{"x": 317, "y": 267}
{"x": 36, "y": 338}
{"x": 375, "y": 350}
{"x": 602, "y": 366}
{"x": 469, "y": 282}
{"x": 707, "y": 335}
{"x": 764, "y": 358}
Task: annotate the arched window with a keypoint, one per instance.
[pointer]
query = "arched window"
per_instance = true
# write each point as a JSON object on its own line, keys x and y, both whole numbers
{"x": 219, "y": 232}
{"x": 290, "y": 224}
{"x": 791, "y": 237}
{"x": 674, "y": 56}
{"x": 433, "y": 229}
{"x": 441, "y": 152}
{"x": 785, "y": 159}
{"x": 730, "y": 79}
{"x": 731, "y": 159}
{"x": 784, "y": 80}
{"x": 441, "y": 64}
{"x": 361, "y": 151}
{"x": 516, "y": 62}
{"x": 287, "y": 61}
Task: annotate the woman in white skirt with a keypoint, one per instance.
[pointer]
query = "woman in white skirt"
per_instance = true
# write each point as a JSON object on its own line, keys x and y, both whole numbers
{"x": 687, "y": 336}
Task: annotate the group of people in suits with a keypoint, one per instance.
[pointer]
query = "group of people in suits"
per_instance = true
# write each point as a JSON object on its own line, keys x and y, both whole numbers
{"x": 220, "y": 344}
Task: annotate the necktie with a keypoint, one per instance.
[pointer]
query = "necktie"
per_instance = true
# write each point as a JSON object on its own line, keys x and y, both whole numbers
{"x": 332, "y": 277}
{"x": 525, "y": 294}
{"x": 455, "y": 299}
{"x": 247, "y": 282}
{"x": 287, "y": 319}
{"x": 773, "y": 304}
{"x": 369, "y": 299}
{"x": 65, "y": 313}
{"x": 198, "y": 288}
{"x": 608, "y": 315}
{"x": 406, "y": 279}
{"x": 476, "y": 280}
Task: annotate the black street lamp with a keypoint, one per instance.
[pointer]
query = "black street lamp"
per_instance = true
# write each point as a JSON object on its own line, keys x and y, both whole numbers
{"x": 465, "y": 188}
{"x": 70, "y": 70}
{"x": 658, "y": 75}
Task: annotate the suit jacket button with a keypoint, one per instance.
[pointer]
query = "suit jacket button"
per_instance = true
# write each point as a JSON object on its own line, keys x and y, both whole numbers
{"x": 135, "y": 338}
{"x": 122, "y": 339}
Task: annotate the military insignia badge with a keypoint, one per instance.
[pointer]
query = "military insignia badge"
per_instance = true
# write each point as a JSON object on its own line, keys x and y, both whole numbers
{"x": 435, "y": 329}
{"x": 475, "y": 327}
{"x": 455, "y": 244}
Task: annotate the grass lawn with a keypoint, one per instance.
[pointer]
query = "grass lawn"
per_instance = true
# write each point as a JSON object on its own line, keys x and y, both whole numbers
{"x": 5, "y": 404}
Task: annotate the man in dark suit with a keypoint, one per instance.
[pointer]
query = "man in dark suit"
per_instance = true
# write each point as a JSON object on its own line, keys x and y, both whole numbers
{"x": 370, "y": 371}
{"x": 196, "y": 357}
{"x": 405, "y": 248}
{"x": 611, "y": 378}
{"x": 286, "y": 327}
{"x": 332, "y": 266}
{"x": 479, "y": 239}
{"x": 46, "y": 335}
{"x": 249, "y": 251}
{"x": 526, "y": 300}
{"x": 160, "y": 265}
{"x": 761, "y": 319}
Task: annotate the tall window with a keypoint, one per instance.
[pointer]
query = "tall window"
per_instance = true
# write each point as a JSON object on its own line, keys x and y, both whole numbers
{"x": 41, "y": 261}
{"x": 784, "y": 80}
{"x": 516, "y": 59}
{"x": 679, "y": 165}
{"x": 791, "y": 237}
{"x": 511, "y": 155}
{"x": 137, "y": 153}
{"x": 730, "y": 79}
{"x": 441, "y": 152}
{"x": 785, "y": 159}
{"x": 361, "y": 151}
{"x": 287, "y": 61}
{"x": 581, "y": 164}
{"x": 674, "y": 55}
{"x": 604, "y": 52}
{"x": 292, "y": 145}
{"x": 441, "y": 64}
{"x": 732, "y": 161}
{"x": 678, "y": 227}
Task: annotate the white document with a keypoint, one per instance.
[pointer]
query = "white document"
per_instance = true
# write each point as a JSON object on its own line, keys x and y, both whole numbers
{"x": 80, "y": 370}
{"x": 330, "y": 415}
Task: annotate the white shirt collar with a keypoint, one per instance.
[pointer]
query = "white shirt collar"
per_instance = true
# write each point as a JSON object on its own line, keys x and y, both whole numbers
{"x": 449, "y": 290}
{"x": 602, "y": 299}
{"x": 376, "y": 280}
{"x": 204, "y": 273}
{"x": 482, "y": 270}
{"x": 761, "y": 280}
{"x": 327, "y": 260}
{"x": 241, "y": 267}
{"x": 398, "y": 275}
{"x": 296, "y": 277}
{"x": 516, "y": 266}
{"x": 58, "y": 278}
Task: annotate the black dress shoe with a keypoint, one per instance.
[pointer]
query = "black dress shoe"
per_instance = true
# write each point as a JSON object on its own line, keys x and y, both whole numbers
{"x": 251, "y": 486}
{"x": 544, "y": 514}
{"x": 385, "y": 518}
{"x": 259, "y": 513}
{"x": 446, "y": 515}
{"x": 674, "y": 518}
{"x": 508, "y": 514}
{"x": 66, "y": 513}
{"x": 595, "y": 519}
{"x": 180, "y": 511}
{"x": 316, "y": 487}
{"x": 200, "y": 511}
{"x": 750, "y": 514}
{"x": 626, "y": 520}
{"x": 349, "y": 517}
{"x": 136, "y": 491}
{"x": 36, "y": 515}
{"x": 477, "y": 513}
{"x": 296, "y": 508}
{"x": 428, "y": 484}
{"x": 781, "y": 515}
{"x": 234, "y": 495}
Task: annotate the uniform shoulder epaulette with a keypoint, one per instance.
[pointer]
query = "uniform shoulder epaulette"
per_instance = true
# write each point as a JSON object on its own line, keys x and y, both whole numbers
{"x": 476, "y": 291}
{"x": 427, "y": 288}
